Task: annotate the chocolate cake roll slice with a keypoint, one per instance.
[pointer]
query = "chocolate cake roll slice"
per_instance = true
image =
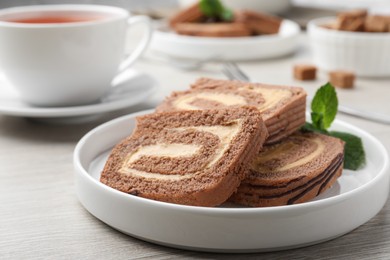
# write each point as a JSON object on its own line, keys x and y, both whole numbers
{"x": 187, "y": 157}
{"x": 293, "y": 171}
{"x": 282, "y": 108}
{"x": 213, "y": 29}
{"x": 191, "y": 14}
{"x": 259, "y": 23}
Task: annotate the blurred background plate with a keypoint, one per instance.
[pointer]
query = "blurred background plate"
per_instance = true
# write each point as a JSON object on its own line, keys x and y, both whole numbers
{"x": 240, "y": 48}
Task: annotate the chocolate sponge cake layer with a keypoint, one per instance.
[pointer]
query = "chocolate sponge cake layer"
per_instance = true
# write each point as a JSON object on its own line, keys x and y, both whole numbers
{"x": 194, "y": 157}
{"x": 293, "y": 171}
{"x": 282, "y": 108}
{"x": 192, "y": 14}
{"x": 213, "y": 29}
{"x": 259, "y": 23}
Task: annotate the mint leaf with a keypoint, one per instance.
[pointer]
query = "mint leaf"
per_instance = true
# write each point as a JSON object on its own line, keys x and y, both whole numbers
{"x": 324, "y": 107}
{"x": 227, "y": 15}
{"x": 354, "y": 155}
{"x": 211, "y": 8}
{"x": 324, "y": 110}
{"x": 215, "y": 9}
{"x": 317, "y": 121}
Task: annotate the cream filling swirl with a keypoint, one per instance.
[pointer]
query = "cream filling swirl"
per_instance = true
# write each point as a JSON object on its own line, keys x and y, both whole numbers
{"x": 225, "y": 133}
{"x": 261, "y": 161}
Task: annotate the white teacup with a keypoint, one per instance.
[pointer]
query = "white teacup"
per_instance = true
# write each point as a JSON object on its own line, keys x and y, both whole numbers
{"x": 64, "y": 55}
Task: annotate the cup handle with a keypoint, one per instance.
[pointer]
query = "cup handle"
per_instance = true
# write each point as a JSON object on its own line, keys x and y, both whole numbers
{"x": 144, "y": 43}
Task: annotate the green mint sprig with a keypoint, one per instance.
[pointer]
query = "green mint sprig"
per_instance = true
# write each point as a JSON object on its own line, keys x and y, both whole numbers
{"x": 324, "y": 109}
{"x": 216, "y": 10}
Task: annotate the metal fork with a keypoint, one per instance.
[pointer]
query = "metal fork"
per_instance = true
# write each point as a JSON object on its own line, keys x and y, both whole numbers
{"x": 233, "y": 72}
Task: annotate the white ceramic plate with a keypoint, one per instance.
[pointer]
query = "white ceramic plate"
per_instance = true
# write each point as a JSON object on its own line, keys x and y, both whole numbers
{"x": 135, "y": 88}
{"x": 352, "y": 201}
{"x": 239, "y": 48}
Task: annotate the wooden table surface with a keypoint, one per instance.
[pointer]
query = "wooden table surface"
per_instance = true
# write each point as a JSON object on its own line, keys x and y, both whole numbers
{"x": 41, "y": 218}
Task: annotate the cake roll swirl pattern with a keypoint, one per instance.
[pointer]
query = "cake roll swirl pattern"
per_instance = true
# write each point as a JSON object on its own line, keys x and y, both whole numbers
{"x": 293, "y": 171}
{"x": 187, "y": 157}
{"x": 282, "y": 108}
{"x": 203, "y": 144}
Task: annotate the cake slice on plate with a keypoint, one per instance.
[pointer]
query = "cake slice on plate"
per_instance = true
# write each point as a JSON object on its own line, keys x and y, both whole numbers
{"x": 187, "y": 157}
{"x": 192, "y": 14}
{"x": 293, "y": 171}
{"x": 259, "y": 23}
{"x": 213, "y": 29}
{"x": 282, "y": 107}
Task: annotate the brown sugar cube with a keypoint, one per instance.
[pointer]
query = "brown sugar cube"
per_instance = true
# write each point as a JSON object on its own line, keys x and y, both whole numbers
{"x": 212, "y": 29}
{"x": 351, "y": 20}
{"x": 305, "y": 72}
{"x": 350, "y": 24}
{"x": 377, "y": 23}
{"x": 342, "y": 79}
{"x": 357, "y": 13}
{"x": 191, "y": 14}
{"x": 387, "y": 18}
{"x": 259, "y": 23}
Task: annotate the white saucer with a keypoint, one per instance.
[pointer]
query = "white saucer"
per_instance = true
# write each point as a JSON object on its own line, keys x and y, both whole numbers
{"x": 238, "y": 48}
{"x": 135, "y": 88}
{"x": 352, "y": 201}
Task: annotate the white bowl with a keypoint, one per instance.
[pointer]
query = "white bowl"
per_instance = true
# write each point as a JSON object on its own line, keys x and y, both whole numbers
{"x": 230, "y": 48}
{"x": 366, "y": 54}
{"x": 355, "y": 198}
{"x": 265, "y": 6}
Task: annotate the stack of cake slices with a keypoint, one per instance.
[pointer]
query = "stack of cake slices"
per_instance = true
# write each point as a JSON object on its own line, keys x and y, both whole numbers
{"x": 226, "y": 141}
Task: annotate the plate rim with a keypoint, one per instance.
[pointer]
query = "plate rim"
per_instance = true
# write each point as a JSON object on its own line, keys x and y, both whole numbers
{"x": 313, "y": 27}
{"x": 82, "y": 110}
{"x": 225, "y": 40}
{"x": 230, "y": 211}
{"x": 227, "y": 48}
